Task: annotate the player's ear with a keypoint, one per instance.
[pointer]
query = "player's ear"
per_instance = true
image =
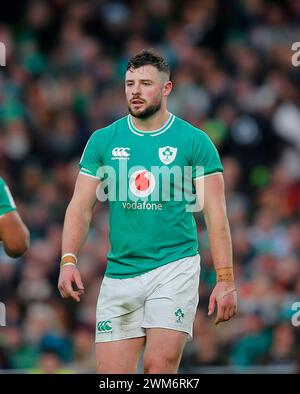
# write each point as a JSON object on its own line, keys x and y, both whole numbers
{"x": 168, "y": 86}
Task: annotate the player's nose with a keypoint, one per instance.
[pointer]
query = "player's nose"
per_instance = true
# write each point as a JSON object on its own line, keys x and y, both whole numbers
{"x": 136, "y": 91}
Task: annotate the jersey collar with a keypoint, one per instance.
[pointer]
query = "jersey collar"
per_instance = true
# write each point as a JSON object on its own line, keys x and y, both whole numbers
{"x": 152, "y": 133}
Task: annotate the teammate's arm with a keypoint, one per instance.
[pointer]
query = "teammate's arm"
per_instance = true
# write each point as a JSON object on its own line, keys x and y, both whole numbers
{"x": 211, "y": 190}
{"x": 14, "y": 234}
{"x": 75, "y": 230}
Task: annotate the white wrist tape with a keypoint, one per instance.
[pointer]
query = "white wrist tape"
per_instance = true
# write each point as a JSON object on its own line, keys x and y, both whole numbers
{"x": 64, "y": 265}
{"x": 69, "y": 254}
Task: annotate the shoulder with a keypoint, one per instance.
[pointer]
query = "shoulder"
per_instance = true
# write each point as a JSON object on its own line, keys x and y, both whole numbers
{"x": 191, "y": 132}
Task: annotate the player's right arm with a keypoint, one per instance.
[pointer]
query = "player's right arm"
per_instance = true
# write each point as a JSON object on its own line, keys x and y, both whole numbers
{"x": 76, "y": 225}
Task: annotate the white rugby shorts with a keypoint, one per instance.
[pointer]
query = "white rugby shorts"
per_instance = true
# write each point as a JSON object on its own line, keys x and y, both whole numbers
{"x": 165, "y": 297}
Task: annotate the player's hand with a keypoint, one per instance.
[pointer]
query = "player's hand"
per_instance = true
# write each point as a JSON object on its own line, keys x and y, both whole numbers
{"x": 225, "y": 296}
{"x": 68, "y": 276}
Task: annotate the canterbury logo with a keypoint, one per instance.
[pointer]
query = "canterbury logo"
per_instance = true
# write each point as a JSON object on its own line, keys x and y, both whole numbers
{"x": 104, "y": 326}
{"x": 120, "y": 153}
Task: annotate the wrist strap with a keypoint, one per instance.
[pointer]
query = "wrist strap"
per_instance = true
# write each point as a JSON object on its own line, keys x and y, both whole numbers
{"x": 68, "y": 259}
{"x": 69, "y": 254}
{"x": 65, "y": 264}
{"x": 225, "y": 274}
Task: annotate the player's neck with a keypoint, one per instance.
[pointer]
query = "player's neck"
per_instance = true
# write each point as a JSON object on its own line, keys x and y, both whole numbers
{"x": 154, "y": 122}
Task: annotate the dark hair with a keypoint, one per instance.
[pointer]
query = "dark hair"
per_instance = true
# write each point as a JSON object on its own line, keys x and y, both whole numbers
{"x": 149, "y": 57}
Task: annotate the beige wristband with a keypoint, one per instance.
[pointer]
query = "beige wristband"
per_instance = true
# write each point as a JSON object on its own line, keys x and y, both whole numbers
{"x": 68, "y": 259}
{"x": 225, "y": 274}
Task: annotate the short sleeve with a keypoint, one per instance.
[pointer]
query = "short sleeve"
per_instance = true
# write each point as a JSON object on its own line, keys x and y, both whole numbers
{"x": 205, "y": 158}
{"x": 92, "y": 159}
{"x": 7, "y": 203}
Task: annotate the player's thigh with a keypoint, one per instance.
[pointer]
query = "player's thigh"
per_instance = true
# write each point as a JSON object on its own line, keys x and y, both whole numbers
{"x": 173, "y": 302}
{"x": 163, "y": 350}
{"x": 119, "y": 356}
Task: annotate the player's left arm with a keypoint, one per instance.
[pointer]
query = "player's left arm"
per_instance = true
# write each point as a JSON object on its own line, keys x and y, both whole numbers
{"x": 14, "y": 234}
{"x": 211, "y": 196}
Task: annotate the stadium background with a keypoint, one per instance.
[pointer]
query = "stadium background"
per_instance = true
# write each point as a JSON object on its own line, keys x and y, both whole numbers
{"x": 231, "y": 66}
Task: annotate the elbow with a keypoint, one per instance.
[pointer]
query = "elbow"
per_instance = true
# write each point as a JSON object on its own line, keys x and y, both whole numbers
{"x": 77, "y": 212}
{"x": 19, "y": 245}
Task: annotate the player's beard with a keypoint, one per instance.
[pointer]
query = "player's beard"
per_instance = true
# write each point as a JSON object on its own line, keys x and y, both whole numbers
{"x": 149, "y": 111}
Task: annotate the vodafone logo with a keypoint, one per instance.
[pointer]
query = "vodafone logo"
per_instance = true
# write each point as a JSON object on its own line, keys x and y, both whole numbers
{"x": 142, "y": 183}
{"x": 120, "y": 153}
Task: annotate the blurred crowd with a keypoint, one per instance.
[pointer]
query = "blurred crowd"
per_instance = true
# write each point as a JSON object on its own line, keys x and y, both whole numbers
{"x": 233, "y": 78}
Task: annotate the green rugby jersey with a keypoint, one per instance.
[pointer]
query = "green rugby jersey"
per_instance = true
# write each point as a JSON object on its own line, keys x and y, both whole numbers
{"x": 148, "y": 178}
{"x": 7, "y": 203}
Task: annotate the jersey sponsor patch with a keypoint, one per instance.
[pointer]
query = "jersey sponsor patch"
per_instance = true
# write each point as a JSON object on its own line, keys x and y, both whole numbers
{"x": 142, "y": 183}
